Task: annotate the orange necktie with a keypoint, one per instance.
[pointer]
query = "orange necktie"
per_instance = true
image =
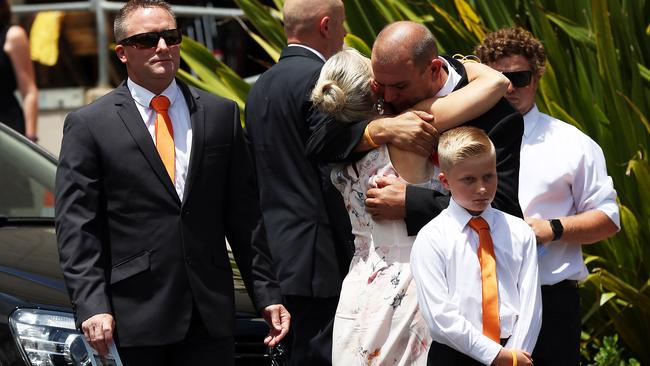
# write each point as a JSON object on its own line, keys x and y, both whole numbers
{"x": 488, "y": 264}
{"x": 164, "y": 134}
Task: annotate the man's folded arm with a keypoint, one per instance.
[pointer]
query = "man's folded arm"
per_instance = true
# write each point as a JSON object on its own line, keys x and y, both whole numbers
{"x": 332, "y": 141}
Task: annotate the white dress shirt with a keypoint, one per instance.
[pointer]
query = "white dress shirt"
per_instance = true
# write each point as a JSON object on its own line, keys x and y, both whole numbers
{"x": 562, "y": 173}
{"x": 446, "y": 269}
{"x": 180, "y": 116}
{"x": 453, "y": 78}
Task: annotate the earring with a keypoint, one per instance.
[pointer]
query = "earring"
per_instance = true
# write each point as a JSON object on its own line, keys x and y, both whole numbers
{"x": 379, "y": 106}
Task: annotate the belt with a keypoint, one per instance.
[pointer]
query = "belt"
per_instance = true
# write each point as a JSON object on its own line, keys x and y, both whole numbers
{"x": 562, "y": 284}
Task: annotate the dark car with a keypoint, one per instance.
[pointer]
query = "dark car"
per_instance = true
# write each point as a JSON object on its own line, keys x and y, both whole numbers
{"x": 36, "y": 321}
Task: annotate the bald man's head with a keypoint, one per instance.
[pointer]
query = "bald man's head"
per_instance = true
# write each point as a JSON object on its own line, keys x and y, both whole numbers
{"x": 404, "y": 41}
{"x": 301, "y": 17}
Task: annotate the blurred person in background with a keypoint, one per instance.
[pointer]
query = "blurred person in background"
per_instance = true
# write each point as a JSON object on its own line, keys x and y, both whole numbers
{"x": 17, "y": 72}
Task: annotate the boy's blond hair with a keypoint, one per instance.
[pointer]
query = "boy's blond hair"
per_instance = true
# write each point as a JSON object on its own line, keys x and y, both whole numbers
{"x": 462, "y": 143}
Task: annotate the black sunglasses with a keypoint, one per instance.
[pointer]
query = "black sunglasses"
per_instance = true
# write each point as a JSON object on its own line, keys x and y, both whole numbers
{"x": 150, "y": 39}
{"x": 519, "y": 79}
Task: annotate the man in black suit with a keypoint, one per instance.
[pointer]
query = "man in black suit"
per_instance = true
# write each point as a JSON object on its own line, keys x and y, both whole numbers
{"x": 145, "y": 194}
{"x": 407, "y": 69}
{"x": 309, "y": 231}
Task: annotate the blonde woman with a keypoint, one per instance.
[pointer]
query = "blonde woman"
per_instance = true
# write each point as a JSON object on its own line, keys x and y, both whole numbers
{"x": 377, "y": 320}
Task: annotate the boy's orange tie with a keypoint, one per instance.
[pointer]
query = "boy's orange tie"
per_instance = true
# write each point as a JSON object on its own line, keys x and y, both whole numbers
{"x": 487, "y": 260}
{"x": 164, "y": 134}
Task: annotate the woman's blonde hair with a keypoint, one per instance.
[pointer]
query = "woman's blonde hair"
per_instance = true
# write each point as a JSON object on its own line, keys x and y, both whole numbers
{"x": 343, "y": 88}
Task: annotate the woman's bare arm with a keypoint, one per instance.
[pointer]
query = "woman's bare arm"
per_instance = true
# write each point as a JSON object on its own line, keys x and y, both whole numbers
{"x": 17, "y": 47}
{"x": 486, "y": 86}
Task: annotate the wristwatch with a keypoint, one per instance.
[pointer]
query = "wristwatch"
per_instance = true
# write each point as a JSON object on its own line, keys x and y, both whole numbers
{"x": 558, "y": 229}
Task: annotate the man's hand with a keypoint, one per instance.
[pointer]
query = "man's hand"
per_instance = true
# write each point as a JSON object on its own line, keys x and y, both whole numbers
{"x": 388, "y": 200}
{"x": 278, "y": 319}
{"x": 98, "y": 330}
{"x": 542, "y": 229}
{"x": 504, "y": 358}
{"x": 411, "y": 131}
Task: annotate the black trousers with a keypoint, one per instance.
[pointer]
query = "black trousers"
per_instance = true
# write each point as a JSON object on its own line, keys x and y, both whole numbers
{"x": 198, "y": 348}
{"x": 443, "y": 355}
{"x": 558, "y": 343}
{"x": 309, "y": 341}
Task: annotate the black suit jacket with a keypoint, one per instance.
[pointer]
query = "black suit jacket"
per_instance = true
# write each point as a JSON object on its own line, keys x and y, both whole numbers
{"x": 130, "y": 246}
{"x": 307, "y": 224}
{"x": 505, "y": 127}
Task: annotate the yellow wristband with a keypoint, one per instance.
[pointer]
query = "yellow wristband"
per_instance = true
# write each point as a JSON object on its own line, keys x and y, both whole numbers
{"x": 514, "y": 357}
{"x": 366, "y": 135}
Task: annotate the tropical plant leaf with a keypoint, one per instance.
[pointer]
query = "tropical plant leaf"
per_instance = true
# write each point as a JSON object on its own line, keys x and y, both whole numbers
{"x": 358, "y": 43}
{"x": 574, "y": 31}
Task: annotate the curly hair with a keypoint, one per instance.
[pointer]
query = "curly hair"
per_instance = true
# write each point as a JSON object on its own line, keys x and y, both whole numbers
{"x": 513, "y": 41}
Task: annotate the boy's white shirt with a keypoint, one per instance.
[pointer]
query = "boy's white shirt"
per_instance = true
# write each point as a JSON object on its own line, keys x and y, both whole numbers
{"x": 446, "y": 270}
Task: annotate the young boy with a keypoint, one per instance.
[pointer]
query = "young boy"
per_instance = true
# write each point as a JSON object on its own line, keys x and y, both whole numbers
{"x": 475, "y": 318}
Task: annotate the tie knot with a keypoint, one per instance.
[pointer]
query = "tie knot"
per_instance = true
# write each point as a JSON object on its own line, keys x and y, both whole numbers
{"x": 160, "y": 103}
{"x": 478, "y": 223}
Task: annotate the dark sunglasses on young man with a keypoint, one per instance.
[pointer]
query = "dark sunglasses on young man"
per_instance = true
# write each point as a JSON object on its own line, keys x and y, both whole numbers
{"x": 150, "y": 39}
{"x": 519, "y": 79}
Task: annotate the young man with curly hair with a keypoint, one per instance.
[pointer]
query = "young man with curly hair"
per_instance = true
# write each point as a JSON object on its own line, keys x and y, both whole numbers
{"x": 564, "y": 190}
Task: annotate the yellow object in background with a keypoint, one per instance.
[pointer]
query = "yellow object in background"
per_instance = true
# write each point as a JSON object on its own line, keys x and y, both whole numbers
{"x": 44, "y": 37}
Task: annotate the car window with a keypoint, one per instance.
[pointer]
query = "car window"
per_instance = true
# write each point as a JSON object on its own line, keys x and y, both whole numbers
{"x": 26, "y": 179}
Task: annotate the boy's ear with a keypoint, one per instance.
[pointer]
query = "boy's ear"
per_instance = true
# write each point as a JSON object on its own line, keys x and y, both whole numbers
{"x": 443, "y": 179}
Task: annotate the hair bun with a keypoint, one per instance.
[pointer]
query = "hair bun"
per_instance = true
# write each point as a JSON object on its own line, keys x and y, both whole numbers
{"x": 329, "y": 97}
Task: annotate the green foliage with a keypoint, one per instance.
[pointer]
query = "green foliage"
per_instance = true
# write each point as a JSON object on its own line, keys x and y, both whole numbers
{"x": 597, "y": 79}
{"x": 609, "y": 353}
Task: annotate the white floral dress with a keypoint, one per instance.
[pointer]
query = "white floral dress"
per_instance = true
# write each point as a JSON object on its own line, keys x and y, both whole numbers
{"x": 377, "y": 321}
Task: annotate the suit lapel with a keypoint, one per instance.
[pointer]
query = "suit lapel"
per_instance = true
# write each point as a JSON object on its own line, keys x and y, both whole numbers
{"x": 197, "y": 119}
{"x": 131, "y": 118}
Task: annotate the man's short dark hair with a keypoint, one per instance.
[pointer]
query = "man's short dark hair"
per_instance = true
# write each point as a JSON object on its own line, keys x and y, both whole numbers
{"x": 119, "y": 25}
{"x": 425, "y": 49}
{"x": 513, "y": 41}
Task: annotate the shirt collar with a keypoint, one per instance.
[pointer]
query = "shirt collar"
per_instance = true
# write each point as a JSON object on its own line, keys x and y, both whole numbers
{"x": 143, "y": 97}
{"x": 452, "y": 80}
{"x": 530, "y": 120}
{"x": 320, "y": 55}
{"x": 460, "y": 215}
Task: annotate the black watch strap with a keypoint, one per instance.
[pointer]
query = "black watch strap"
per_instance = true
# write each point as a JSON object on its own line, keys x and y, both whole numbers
{"x": 558, "y": 229}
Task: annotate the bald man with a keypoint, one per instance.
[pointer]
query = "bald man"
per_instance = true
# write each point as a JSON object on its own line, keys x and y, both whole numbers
{"x": 407, "y": 69}
{"x": 310, "y": 255}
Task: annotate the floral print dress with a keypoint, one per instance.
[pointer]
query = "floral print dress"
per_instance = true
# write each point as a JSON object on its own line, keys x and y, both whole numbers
{"x": 377, "y": 321}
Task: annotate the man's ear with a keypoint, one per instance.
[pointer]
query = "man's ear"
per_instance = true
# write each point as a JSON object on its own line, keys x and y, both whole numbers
{"x": 435, "y": 65}
{"x": 442, "y": 177}
{"x": 121, "y": 54}
{"x": 324, "y": 26}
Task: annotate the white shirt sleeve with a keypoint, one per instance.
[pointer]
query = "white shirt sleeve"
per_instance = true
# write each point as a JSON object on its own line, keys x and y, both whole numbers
{"x": 592, "y": 188}
{"x": 529, "y": 323}
{"x": 441, "y": 313}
